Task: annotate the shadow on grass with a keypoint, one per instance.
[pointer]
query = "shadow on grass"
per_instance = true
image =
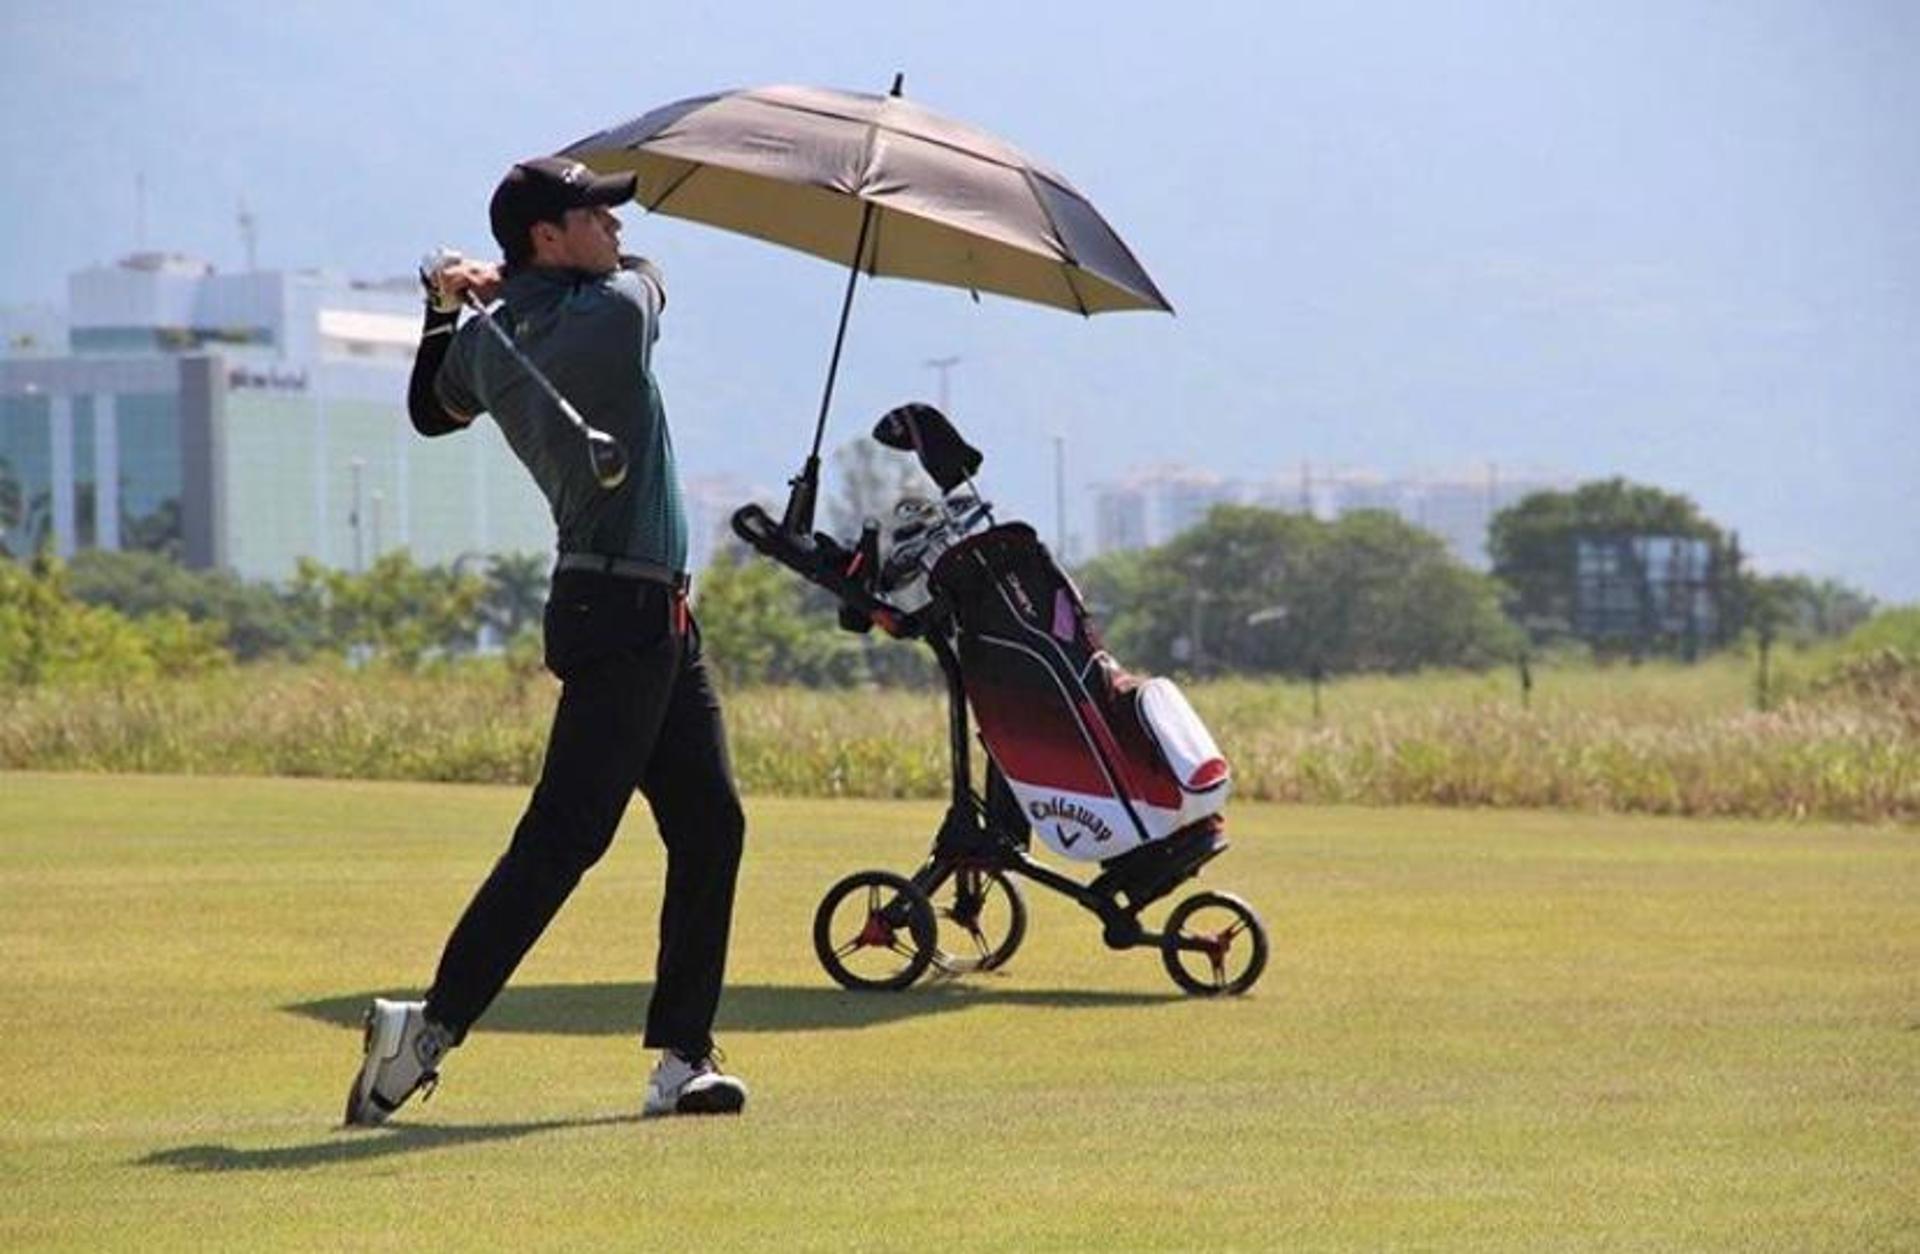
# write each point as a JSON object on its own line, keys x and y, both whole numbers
{"x": 619, "y": 1009}
{"x": 348, "y": 1146}
{"x": 611, "y": 1009}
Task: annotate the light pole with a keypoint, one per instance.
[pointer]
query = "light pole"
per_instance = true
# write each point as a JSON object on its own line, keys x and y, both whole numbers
{"x": 479, "y": 559}
{"x": 945, "y": 366}
{"x": 1060, "y": 496}
{"x": 358, "y": 469}
{"x": 1272, "y": 615}
{"x": 1198, "y": 595}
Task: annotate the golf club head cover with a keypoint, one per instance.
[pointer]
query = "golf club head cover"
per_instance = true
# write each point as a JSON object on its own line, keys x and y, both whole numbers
{"x": 923, "y": 430}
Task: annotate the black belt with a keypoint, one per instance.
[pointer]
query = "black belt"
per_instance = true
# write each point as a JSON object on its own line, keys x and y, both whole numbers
{"x": 624, "y": 567}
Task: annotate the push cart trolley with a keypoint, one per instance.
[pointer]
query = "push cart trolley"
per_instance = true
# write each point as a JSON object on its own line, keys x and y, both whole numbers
{"x": 1104, "y": 766}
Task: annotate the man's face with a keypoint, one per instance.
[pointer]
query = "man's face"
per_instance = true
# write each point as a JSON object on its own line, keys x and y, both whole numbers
{"x": 589, "y": 239}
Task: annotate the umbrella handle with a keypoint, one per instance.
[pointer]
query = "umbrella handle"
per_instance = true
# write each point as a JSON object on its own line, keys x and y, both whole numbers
{"x": 840, "y": 335}
{"x": 805, "y": 491}
{"x": 798, "y": 519}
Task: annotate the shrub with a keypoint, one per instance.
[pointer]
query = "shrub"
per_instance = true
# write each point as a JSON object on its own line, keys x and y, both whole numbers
{"x": 47, "y": 636}
{"x": 259, "y": 621}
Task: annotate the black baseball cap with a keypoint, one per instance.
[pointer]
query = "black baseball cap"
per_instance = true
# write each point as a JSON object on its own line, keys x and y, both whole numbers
{"x": 542, "y": 189}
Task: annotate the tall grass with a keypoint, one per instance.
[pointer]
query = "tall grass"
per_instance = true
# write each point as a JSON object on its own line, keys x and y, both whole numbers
{"x": 1656, "y": 738}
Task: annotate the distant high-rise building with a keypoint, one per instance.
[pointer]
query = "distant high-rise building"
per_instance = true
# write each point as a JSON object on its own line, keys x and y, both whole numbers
{"x": 1152, "y": 506}
{"x": 1346, "y": 491}
{"x": 245, "y": 421}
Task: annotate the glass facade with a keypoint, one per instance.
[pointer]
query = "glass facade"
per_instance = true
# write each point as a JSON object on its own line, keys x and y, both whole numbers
{"x": 132, "y": 439}
{"x": 290, "y": 472}
{"x": 151, "y": 477}
{"x": 164, "y": 339}
{"x": 1645, "y": 589}
{"x": 343, "y": 480}
{"x": 26, "y": 473}
{"x": 245, "y": 421}
{"x": 87, "y": 499}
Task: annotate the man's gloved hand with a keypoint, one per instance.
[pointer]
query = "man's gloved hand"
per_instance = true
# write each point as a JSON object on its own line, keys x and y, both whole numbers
{"x": 432, "y": 266}
{"x": 447, "y": 276}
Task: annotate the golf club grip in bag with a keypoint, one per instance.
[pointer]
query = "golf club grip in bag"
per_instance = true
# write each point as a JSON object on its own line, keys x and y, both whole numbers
{"x": 1101, "y": 761}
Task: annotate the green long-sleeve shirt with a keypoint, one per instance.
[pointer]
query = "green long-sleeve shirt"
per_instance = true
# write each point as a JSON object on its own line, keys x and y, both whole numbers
{"x": 593, "y": 336}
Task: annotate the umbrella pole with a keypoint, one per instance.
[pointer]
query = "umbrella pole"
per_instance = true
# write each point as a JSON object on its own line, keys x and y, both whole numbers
{"x": 806, "y": 485}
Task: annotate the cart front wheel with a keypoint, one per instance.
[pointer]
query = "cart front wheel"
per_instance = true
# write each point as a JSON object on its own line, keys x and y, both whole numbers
{"x": 982, "y": 919}
{"x": 1214, "y": 944}
{"x": 874, "y": 932}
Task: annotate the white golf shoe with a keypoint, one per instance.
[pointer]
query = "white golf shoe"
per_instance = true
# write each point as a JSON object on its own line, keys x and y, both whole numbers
{"x": 697, "y": 1086}
{"x": 403, "y": 1053}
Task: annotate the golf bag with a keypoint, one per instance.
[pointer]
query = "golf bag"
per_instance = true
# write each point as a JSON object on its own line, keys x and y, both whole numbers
{"x": 1100, "y": 762}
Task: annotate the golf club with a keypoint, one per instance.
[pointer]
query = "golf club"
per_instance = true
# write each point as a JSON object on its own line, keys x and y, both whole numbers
{"x": 608, "y": 459}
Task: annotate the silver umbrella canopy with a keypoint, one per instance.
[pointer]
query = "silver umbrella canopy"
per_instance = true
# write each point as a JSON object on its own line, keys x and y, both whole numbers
{"x": 885, "y": 186}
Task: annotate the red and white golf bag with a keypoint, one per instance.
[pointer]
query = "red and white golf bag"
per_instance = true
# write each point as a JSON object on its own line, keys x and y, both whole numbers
{"x": 1100, "y": 761}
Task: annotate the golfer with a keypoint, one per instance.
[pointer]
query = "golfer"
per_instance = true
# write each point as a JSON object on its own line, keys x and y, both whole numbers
{"x": 637, "y": 709}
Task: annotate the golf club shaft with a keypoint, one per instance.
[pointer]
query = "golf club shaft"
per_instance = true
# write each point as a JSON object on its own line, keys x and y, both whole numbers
{"x": 604, "y": 454}
{"x": 534, "y": 372}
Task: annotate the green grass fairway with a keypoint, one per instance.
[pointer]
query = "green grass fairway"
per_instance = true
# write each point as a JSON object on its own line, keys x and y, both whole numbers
{"x": 1478, "y": 1031}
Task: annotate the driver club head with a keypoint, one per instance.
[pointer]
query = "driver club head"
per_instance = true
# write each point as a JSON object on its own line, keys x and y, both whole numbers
{"x": 608, "y": 458}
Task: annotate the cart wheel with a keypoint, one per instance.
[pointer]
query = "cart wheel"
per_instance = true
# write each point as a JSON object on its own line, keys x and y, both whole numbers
{"x": 874, "y": 931}
{"x": 1214, "y": 943}
{"x": 982, "y": 920}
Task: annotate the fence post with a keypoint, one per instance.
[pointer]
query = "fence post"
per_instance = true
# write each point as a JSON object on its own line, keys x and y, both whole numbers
{"x": 1761, "y": 685}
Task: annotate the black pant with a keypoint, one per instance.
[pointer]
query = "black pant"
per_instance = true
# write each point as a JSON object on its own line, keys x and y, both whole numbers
{"x": 636, "y": 710}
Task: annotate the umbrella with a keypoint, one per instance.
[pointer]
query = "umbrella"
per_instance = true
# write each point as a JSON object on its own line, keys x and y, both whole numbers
{"x": 886, "y": 187}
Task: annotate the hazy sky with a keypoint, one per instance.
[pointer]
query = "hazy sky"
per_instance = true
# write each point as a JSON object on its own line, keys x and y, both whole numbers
{"x": 1676, "y": 241}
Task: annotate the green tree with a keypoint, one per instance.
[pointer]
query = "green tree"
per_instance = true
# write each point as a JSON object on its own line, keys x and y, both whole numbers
{"x": 32, "y": 527}
{"x": 48, "y": 636}
{"x": 1128, "y": 593}
{"x": 396, "y": 610}
{"x": 1801, "y": 609}
{"x": 159, "y": 531}
{"x": 1402, "y": 602}
{"x": 516, "y": 593}
{"x": 1534, "y": 545}
{"x": 763, "y": 624}
{"x": 756, "y": 628}
{"x": 257, "y": 619}
{"x": 1896, "y": 630}
{"x": 1255, "y": 590}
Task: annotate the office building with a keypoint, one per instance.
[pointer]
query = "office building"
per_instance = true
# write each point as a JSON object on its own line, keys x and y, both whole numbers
{"x": 244, "y": 421}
